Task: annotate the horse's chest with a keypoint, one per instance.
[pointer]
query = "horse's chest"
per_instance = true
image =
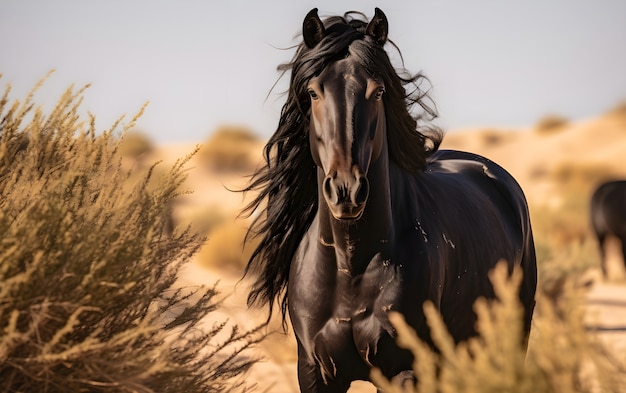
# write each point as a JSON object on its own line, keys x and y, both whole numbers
{"x": 349, "y": 320}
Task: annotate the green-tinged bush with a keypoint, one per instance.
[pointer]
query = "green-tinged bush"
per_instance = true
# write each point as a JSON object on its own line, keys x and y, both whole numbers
{"x": 88, "y": 294}
{"x": 562, "y": 357}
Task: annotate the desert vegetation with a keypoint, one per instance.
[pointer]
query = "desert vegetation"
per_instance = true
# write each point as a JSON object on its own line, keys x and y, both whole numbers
{"x": 562, "y": 357}
{"x": 89, "y": 299}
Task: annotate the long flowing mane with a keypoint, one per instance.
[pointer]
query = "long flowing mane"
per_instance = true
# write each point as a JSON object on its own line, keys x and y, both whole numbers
{"x": 287, "y": 183}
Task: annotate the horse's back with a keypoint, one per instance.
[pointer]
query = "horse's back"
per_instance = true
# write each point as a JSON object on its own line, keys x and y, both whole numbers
{"x": 455, "y": 161}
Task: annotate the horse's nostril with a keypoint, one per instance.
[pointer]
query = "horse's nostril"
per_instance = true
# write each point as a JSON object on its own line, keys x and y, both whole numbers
{"x": 360, "y": 196}
{"x": 329, "y": 190}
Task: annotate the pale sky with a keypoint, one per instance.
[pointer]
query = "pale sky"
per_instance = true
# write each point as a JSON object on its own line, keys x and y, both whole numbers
{"x": 496, "y": 63}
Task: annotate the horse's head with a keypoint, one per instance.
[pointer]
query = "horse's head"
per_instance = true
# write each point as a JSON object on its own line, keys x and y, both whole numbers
{"x": 347, "y": 119}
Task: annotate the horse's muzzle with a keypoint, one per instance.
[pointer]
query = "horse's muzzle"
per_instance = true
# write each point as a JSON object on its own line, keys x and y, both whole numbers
{"x": 346, "y": 197}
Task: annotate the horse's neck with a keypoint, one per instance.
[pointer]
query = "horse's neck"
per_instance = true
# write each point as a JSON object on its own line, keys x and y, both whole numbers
{"x": 357, "y": 243}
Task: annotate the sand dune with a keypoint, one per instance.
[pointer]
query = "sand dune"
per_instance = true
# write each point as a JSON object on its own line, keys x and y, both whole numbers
{"x": 532, "y": 155}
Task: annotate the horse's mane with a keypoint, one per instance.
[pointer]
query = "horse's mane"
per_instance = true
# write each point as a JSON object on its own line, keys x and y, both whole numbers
{"x": 287, "y": 183}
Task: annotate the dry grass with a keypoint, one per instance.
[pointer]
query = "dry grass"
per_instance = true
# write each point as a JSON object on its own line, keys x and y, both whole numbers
{"x": 563, "y": 356}
{"x": 88, "y": 267}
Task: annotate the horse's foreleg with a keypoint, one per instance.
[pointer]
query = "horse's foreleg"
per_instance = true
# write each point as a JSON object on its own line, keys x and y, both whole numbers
{"x": 601, "y": 237}
{"x": 311, "y": 380}
{"x": 623, "y": 241}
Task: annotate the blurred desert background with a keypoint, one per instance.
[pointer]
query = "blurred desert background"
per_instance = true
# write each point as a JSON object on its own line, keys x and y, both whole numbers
{"x": 546, "y": 78}
{"x": 557, "y": 162}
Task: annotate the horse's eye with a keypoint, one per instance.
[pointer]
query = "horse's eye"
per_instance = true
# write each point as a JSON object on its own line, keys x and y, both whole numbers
{"x": 312, "y": 94}
{"x": 379, "y": 94}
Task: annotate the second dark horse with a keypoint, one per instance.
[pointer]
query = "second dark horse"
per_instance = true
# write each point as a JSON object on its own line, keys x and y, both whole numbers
{"x": 608, "y": 216}
{"x": 364, "y": 215}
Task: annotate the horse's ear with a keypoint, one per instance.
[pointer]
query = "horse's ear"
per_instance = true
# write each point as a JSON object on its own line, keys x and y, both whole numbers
{"x": 312, "y": 29}
{"x": 378, "y": 27}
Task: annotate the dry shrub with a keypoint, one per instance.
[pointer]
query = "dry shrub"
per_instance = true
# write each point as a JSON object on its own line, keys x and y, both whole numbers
{"x": 88, "y": 294}
{"x": 231, "y": 149}
{"x": 493, "y": 138}
{"x": 562, "y": 357}
{"x": 134, "y": 144}
{"x": 551, "y": 123}
{"x": 225, "y": 247}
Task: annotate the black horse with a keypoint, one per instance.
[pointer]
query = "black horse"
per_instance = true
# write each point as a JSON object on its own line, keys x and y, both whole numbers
{"x": 363, "y": 214}
{"x": 608, "y": 216}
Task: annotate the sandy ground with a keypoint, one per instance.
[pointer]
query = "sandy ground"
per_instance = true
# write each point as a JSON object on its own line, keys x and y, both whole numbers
{"x": 277, "y": 372}
{"x": 607, "y": 313}
{"x": 527, "y": 154}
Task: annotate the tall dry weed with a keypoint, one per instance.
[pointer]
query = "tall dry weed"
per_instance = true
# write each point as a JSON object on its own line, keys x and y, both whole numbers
{"x": 88, "y": 295}
{"x": 563, "y": 356}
